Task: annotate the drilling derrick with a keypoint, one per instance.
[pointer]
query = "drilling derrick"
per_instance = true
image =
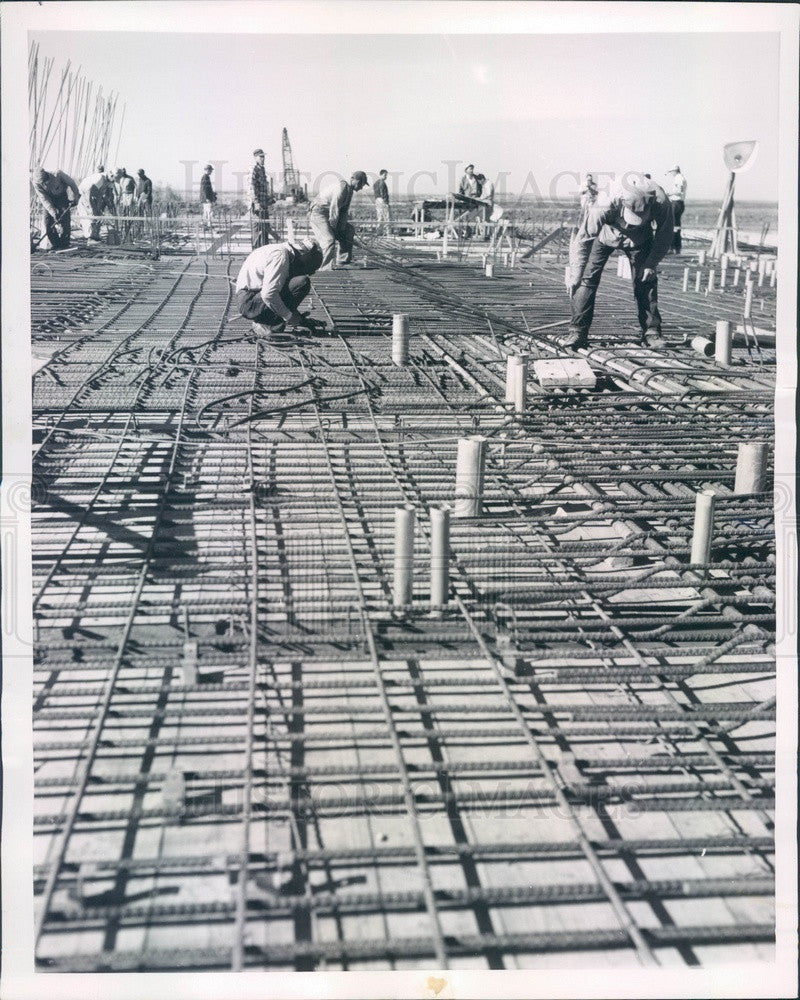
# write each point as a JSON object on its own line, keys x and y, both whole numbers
{"x": 292, "y": 188}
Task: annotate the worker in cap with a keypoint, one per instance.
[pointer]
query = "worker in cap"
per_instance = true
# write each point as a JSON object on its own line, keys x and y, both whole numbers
{"x": 381, "y": 191}
{"x": 207, "y": 195}
{"x": 589, "y": 193}
{"x": 272, "y": 283}
{"x": 144, "y": 193}
{"x": 57, "y": 193}
{"x": 125, "y": 187}
{"x": 676, "y": 190}
{"x": 625, "y": 224}
{"x": 260, "y": 200}
{"x": 469, "y": 186}
{"x": 328, "y": 217}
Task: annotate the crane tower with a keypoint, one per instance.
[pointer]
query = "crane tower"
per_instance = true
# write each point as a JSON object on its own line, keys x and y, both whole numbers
{"x": 292, "y": 188}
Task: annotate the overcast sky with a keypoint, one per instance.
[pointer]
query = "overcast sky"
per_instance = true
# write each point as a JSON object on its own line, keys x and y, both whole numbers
{"x": 533, "y": 106}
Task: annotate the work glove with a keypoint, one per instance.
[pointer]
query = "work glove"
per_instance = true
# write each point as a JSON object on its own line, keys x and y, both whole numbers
{"x": 298, "y": 321}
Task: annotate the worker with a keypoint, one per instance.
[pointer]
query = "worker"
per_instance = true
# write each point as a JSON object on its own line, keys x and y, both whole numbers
{"x": 626, "y": 224}
{"x": 676, "y": 189}
{"x": 469, "y": 185}
{"x": 260, "y": 200}
{"x": 111, "y": 197}
{"x": 94, "y": 193}
{"x": 126, "y": 190}
{"x": 381, "y": 191}
{"x": 57, "y": 193}
{"x": 328, "y": 218}
{"x": 486, "y": 195}
{"x": 588, "y": 194}
{"x": 125, "y": 187}
{"x": 272, "y": 283}
{"x": 144, "y": 193}
{"x": 207, "y": 196}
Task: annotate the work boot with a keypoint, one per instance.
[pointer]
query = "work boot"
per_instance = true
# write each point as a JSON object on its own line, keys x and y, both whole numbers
{"x": 653, "y": 338}
{"x": 574, "y": 339}
{"x": 263, "y": 330}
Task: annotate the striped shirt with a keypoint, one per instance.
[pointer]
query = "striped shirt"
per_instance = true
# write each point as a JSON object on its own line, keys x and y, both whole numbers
{"x": 259, "y": 188}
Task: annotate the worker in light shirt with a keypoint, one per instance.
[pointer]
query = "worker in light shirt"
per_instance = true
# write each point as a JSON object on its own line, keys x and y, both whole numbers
{"x": 589, "y": 193}
{"x": 328, "y": 218}
{"x": 676, "y": 191}
{"x": 272, "y": 283}
{"x": 94, "y": 194}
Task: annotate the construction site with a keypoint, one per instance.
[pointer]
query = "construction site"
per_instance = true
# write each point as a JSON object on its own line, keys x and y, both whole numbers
{"x": 418, "y": 642}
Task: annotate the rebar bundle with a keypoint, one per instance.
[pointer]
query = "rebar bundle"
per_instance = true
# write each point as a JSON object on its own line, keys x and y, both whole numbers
{"x": 72, "y": 121}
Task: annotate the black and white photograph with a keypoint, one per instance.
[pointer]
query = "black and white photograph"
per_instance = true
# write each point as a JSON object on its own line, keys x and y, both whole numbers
{"x": 398, "y": 513}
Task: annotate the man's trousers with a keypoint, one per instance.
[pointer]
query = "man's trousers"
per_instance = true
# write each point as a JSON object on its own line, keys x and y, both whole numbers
{"x": 251, "y": 305}
{"x": 677, "y": 213}
{"x": 327, "y": 238}
{"x": 644, "y": 292}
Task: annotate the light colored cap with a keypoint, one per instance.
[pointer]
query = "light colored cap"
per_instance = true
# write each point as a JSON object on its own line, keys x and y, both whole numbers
{"x": 636, "y": 193}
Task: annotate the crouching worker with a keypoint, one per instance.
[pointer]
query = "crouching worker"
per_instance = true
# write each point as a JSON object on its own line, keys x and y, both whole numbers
{"x": 272, "y": 283}
{"x": 625, "y": 224}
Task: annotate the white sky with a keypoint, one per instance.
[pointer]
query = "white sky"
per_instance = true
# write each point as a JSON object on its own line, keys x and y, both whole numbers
{"x": 527, "y": 104}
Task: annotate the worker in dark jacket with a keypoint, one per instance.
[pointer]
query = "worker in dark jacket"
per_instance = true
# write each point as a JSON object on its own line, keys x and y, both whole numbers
{"x": 207, "y": 195}
{"x": 125, "y": 187}
{"x": 381, "y": 191}
{"x": 626, "y": 224}
{"x": 144, "y": 193}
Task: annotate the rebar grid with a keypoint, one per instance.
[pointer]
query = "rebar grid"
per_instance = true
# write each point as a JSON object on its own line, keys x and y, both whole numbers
{"x": 248, "y": 756}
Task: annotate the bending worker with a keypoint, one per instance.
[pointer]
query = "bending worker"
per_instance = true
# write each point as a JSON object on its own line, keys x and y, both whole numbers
{"x": 626, "y": 224}
{"x": 58, "y": 193}
{"x": 272, "y": 283}
{"x": 94, "y": 194}
{"x": 328, "y": 217}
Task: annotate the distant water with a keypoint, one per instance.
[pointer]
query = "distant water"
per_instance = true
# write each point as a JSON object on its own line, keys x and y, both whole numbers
{"x": 698, "y": 218}
{"x": 698, "y": 214}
